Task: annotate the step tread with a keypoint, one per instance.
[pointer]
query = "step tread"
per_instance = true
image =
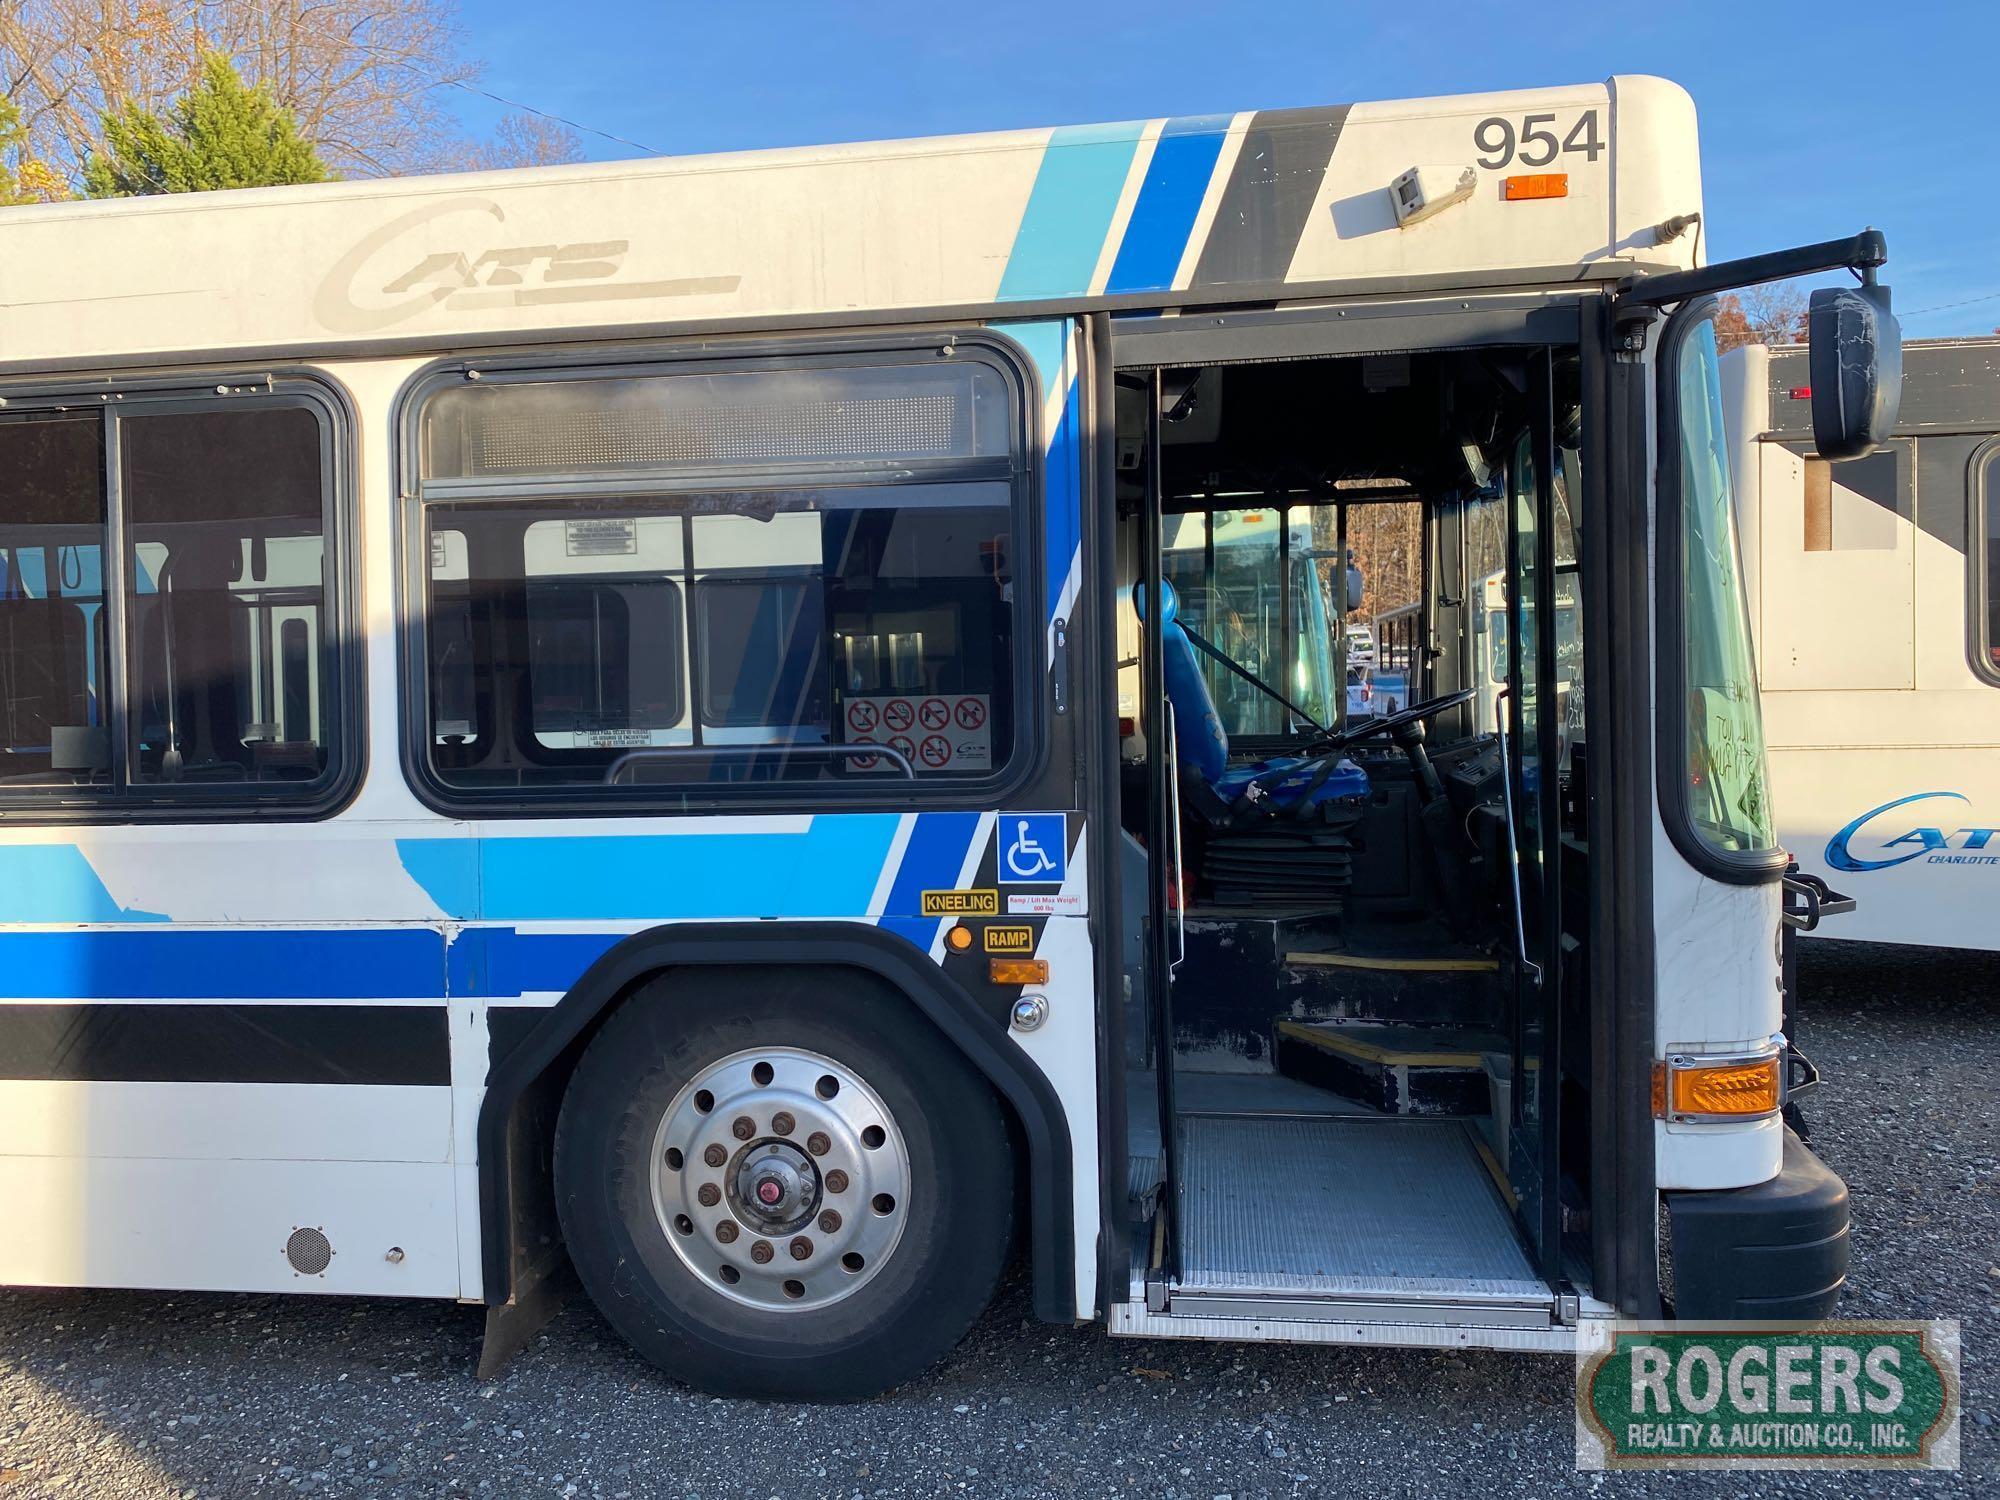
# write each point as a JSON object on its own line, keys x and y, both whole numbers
{"x": 1386, "y": 963}
{"x": 1396, "y": 1046}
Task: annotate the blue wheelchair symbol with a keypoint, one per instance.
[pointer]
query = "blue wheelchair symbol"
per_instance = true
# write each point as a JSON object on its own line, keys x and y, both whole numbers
{"x": 1034, "y": 848}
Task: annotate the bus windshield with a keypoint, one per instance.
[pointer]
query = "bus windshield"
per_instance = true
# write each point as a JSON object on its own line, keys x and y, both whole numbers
{"x": 1274, "y": 622}
{"x": 1727, "y": 787}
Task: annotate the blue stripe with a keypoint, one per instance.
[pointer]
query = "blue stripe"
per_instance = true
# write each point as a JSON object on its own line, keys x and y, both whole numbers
{"x": 1069, "y": 211}
{"x": 500, "y": 963}
{"x": 828, "y": 870}
{"x": 1177, "y": 177}
{"x": 254, "y": 963}
{"x": 931, "y": 860}
{"x": 1062, "y": 522}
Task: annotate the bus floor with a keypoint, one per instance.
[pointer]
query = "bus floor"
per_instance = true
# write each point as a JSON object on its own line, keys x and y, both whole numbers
{"x": 1287, "y": 1190}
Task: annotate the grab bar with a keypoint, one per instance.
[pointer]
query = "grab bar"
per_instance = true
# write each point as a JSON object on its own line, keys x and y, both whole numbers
{"x": 1513, "y": 847}
{"x": 707, "y": 752}
{"x": 1179, "y": 891}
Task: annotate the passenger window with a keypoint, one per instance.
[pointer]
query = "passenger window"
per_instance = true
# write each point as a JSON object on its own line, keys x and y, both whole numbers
{"x": 843, "y": 612}
{"x": 53, "y": 712}
{"x": 227, "y": 682}
{"x": 231, "y": 660}
{"x": 1985, "y": 553}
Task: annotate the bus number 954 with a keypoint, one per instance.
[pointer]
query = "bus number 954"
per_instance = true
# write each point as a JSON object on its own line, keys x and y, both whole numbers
{"x": 1534, "y": 143}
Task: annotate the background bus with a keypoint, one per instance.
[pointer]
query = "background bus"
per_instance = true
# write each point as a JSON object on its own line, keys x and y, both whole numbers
{"x": 1872, "y": 589}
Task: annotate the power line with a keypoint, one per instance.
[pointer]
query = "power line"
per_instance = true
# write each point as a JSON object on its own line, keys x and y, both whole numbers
{"x": 408, "y": 61}
{"x": 1946, "y": 306}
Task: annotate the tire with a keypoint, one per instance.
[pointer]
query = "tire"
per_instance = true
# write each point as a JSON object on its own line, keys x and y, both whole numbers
{"x": 648, "y": 1182}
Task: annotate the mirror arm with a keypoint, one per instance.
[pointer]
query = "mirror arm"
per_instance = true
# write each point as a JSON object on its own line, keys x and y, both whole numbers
{"x": 1861, "y": 252}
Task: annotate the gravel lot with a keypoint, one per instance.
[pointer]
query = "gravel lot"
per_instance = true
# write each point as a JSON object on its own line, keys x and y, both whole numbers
{"x": 152, "y": 1394}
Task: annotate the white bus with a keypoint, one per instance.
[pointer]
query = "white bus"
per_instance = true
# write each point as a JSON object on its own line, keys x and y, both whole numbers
{"x": 570, "y": 719}
{"x": 1872, "y": 603}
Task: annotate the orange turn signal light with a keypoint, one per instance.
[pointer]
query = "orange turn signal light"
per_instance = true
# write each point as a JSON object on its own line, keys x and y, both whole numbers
{"x": 1535, "y": 185}
{"x": 1733, "y": 1089}
{"x": 1019, "y": 970}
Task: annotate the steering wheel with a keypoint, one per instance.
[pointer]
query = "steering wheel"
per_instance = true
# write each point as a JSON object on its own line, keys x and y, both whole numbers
{"x": 1393, "y": 724}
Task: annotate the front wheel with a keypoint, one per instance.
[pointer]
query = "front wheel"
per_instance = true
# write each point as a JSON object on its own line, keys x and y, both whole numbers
{"x": 776, "y": 1186}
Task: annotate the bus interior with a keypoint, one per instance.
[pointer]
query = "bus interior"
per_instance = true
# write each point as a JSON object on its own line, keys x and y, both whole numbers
{"x": 1357, "y": 1032}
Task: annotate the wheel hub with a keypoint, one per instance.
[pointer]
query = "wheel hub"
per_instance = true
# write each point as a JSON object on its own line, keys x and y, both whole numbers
{"x": 776, "y": 1187}
{"x": 780, "y": 1179}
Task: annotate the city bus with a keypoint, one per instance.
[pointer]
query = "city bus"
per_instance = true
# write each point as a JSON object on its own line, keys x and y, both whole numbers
{"x": 562, "y": 734}
{"x": 1883, "y": 714}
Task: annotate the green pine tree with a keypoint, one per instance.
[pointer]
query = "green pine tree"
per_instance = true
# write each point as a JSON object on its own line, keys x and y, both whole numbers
{"x": 219, "y": 134}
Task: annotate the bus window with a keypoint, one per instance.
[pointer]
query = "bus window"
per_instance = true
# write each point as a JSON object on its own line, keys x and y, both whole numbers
{"x": 227, "y": 596}
{"x": 52, "y": 637}
{"x": 693, "y": 579}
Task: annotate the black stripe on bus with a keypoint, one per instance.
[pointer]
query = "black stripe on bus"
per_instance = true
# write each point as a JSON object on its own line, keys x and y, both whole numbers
{"x": 1269, "y": 196}
{"x": 138, "y": 1043}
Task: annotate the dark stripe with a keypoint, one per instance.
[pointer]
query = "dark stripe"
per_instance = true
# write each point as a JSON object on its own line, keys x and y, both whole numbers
{"x": 394, "y": 1044}
{"x": 1271, "y": 192}
{"x": 244, "y": 963}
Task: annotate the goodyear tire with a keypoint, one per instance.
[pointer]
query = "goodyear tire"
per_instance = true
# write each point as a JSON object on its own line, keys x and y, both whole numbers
{"x": 779, "y": 1183}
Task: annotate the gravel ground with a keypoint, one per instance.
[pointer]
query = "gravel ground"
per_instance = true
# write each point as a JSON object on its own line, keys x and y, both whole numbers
{"x": 152, "y": 1394}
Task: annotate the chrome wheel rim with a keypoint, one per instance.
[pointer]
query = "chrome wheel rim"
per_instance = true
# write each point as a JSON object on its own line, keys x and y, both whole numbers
{"x": 780, "y": 1179}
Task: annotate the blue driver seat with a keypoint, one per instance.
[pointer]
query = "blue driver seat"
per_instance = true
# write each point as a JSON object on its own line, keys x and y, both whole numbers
{"x": 1202, "y": 744}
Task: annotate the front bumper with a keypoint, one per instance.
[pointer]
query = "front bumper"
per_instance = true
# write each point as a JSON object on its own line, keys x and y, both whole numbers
{"x": 1773, "y": 1252}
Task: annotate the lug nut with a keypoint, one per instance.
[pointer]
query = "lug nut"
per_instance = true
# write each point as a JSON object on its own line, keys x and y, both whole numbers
{"x": 710, "y": 1195}
{"x": 715, "y": 1156}
{"x": 761, "y": 1252}
{"x": 782, "y": 1123}
{"x": 818, "y": 1144}
{"x": 743, "y": 1127}
{"x": 829, "y": 1222}
{"x": 726, "y": 1231}
{"x": 802, "y": 1248}
{"x": 836, "y": 1181}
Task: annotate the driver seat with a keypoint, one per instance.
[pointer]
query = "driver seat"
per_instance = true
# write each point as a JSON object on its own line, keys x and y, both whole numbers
{"x": 1202, "y": 744}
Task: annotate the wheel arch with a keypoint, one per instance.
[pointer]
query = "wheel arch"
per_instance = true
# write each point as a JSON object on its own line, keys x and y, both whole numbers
{"x": 520, "y": 1242}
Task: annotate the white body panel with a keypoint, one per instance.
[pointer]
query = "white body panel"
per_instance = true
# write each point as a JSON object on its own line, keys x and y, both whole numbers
{"x": 1884, "y": 742}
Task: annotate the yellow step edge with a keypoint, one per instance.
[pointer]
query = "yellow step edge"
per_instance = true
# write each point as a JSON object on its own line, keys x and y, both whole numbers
{"x": 1334, "y": 1041}
{"x": 1394, "y": 965}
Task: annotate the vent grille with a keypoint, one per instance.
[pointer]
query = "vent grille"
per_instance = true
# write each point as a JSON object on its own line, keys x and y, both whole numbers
{"x": 309, "y": 1251}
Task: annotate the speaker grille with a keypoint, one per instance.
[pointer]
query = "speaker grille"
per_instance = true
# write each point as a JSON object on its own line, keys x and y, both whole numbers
{"x": 309, "y": 1251}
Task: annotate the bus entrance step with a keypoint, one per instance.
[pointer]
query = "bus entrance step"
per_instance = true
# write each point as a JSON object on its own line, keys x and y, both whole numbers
{"x": 1399, "y": 989}
{"x": 1399, "y": 1070}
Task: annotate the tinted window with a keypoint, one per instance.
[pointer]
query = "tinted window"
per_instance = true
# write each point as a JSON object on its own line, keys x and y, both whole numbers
{"x": 821, "y": 619}
{"x": 232, "y": 663}
{"x": 53, "y": 709}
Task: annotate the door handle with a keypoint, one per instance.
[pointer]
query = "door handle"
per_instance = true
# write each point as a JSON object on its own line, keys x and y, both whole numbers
{"x": 1513, "y": 846}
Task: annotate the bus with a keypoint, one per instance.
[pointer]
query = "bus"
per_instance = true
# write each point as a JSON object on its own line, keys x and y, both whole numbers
{"x": 1878, "y": 636}
{"x": 562, "y": 732}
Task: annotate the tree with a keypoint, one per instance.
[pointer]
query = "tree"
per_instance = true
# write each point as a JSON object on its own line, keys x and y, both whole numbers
{"x": 220, "y": 134}
{"x": 1772, "y": 313}
{"x": 23, "y": 179}
{"x": 522, "y": 140}
{"x": 364, "y": 80}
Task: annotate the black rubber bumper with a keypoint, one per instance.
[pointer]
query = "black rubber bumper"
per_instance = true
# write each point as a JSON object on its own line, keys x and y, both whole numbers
{"x": 1773, "y": 1252}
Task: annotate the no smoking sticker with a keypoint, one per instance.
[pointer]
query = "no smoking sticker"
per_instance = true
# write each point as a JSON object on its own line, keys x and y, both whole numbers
{"x": 934, "y": 732}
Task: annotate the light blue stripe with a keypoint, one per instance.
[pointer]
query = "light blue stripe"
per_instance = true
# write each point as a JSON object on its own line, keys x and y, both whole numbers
{"x": 56, "y": 883}
{"x": 1069, "y": 211}
{"x": 829, "y": 870}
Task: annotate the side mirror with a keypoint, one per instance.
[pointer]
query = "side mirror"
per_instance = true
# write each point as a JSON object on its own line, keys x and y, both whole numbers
{"x": 1856, "y": 362}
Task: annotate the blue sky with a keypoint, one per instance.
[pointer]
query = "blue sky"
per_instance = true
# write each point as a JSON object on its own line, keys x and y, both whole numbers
{"x": 1816, "y": 119}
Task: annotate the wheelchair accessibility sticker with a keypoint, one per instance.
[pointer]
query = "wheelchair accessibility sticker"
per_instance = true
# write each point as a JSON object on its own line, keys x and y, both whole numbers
{"x": 1034, "y": 848}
